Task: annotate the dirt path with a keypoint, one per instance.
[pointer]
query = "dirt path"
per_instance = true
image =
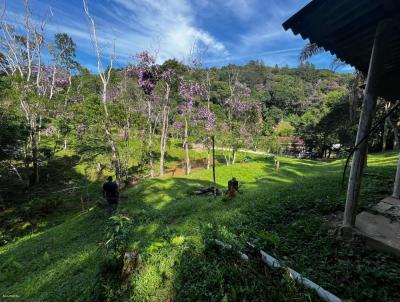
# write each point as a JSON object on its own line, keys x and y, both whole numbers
{"x": 244, "y": 151}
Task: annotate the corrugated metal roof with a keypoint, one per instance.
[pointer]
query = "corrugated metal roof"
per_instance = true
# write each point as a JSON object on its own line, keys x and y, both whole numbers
{"x": 346, "y": 28}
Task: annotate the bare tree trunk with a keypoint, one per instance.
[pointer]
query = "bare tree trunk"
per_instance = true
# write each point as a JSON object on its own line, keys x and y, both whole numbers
{"x": 164, "y": 130}
{"x": 116, "y": 162}
{"x": 186, "y": 144}
{"x": 31, "y": 121}
{"x": 126, "y": 157}
{"x": 104, "y": 97}
{"x": 150, "y": 140}
{"x": 69, "y": 83}
{"x": 233, "y": 155}
{"x": 386, "y": 126}
{"x": 127, "y": 129}
{"x": 226, "y": 159}
{"x": 164, "y": 138}
{"x": 385, "y": 134}
{"x": 396, "y": 141}
{"x": 40, "y": 127}
{"x": 115, "y": 155}
{"x": 65, "y": 144}
{"x": 53, "y": 82}
{"x": 105, "y": 76}
{"x": 162, "y": 144}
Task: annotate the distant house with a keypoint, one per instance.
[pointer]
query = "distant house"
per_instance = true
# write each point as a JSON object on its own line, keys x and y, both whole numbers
{"x": 291, "y": 144}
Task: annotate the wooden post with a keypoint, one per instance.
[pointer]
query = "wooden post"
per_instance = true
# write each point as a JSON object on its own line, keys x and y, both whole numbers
{"x": 367, "y": 115}
{"x": 396, "y": 189}
{"x": 213, "y": 159}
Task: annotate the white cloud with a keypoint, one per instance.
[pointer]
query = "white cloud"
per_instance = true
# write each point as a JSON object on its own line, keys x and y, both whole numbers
{"x": 243, "y": 9}
{"x": 167, "y": 25}
{"x": 246, "y": 29}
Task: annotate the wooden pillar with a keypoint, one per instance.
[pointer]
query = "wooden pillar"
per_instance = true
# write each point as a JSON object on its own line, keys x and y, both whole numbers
{"x": 367, "y": 115}
{"x": 396, "y": 189}
{"x": 213, "y": 161}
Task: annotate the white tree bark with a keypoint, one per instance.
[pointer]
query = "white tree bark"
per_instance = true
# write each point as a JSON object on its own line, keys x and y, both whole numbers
{"x": 105, "y": 76}
{"x": 186, "y": 145}
{"x": 164, "y": 128}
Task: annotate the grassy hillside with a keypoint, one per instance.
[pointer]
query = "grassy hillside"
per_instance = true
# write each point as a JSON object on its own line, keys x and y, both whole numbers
{"x": 290, "y": 214}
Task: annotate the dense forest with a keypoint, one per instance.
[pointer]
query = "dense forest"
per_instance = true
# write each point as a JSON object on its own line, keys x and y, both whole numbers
{"x": 126, "y": 121}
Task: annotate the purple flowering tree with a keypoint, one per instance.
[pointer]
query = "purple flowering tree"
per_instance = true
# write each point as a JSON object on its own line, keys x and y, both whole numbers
{"x": 204, "y": 121}
{"x": 204, "y": 114}
{"x": 156, "y": 86}
{"x": 242, "y": 112}
{"x": 147, "y": 72}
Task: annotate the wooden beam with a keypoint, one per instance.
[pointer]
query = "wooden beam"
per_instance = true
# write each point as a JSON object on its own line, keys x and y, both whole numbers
{"x": 396, "y": 188}
{"x": 367, "y": 115}
{"x": 389, "y": 88}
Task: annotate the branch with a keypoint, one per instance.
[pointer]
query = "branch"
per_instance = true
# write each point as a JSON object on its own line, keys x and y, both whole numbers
{"x": 93, "y": 37}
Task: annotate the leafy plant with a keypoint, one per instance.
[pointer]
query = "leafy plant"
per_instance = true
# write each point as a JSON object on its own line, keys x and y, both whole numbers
{"x": 117, "y": 234}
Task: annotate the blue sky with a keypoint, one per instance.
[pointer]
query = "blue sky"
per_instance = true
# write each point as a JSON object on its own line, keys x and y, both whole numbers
{"x": 234, "y": 31}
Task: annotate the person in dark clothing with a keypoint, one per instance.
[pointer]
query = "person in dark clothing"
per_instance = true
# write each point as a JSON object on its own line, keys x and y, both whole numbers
{"x": 111, "y": 193}
{"x": 233, "y": 183}
{"x": 233, "y": 187}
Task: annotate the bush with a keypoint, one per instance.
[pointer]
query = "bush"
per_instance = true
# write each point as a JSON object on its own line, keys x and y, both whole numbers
{"x": 108, "y": 280}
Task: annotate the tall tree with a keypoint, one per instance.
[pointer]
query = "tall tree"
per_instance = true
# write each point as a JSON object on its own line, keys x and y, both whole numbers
{"x": 104, "y": 74}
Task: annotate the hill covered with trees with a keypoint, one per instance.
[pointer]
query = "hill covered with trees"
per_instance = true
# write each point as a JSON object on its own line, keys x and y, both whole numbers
{"x": 129, "y": 119}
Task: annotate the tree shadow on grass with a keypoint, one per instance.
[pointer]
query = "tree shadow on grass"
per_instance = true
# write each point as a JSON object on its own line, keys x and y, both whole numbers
{"x": 58, "y": 264}
{"x": 62, "y": 191}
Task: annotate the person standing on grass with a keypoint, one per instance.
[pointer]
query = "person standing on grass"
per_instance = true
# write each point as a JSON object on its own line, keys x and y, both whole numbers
{"x": 233, "y": 188}
{"x": 111, "y": 193}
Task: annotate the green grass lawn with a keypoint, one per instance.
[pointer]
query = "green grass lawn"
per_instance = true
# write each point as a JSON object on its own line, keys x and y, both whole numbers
{"x": 286, "y": 213}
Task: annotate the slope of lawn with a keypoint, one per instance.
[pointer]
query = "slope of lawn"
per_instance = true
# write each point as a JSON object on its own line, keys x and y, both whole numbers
{"x": 291, "y": 214}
